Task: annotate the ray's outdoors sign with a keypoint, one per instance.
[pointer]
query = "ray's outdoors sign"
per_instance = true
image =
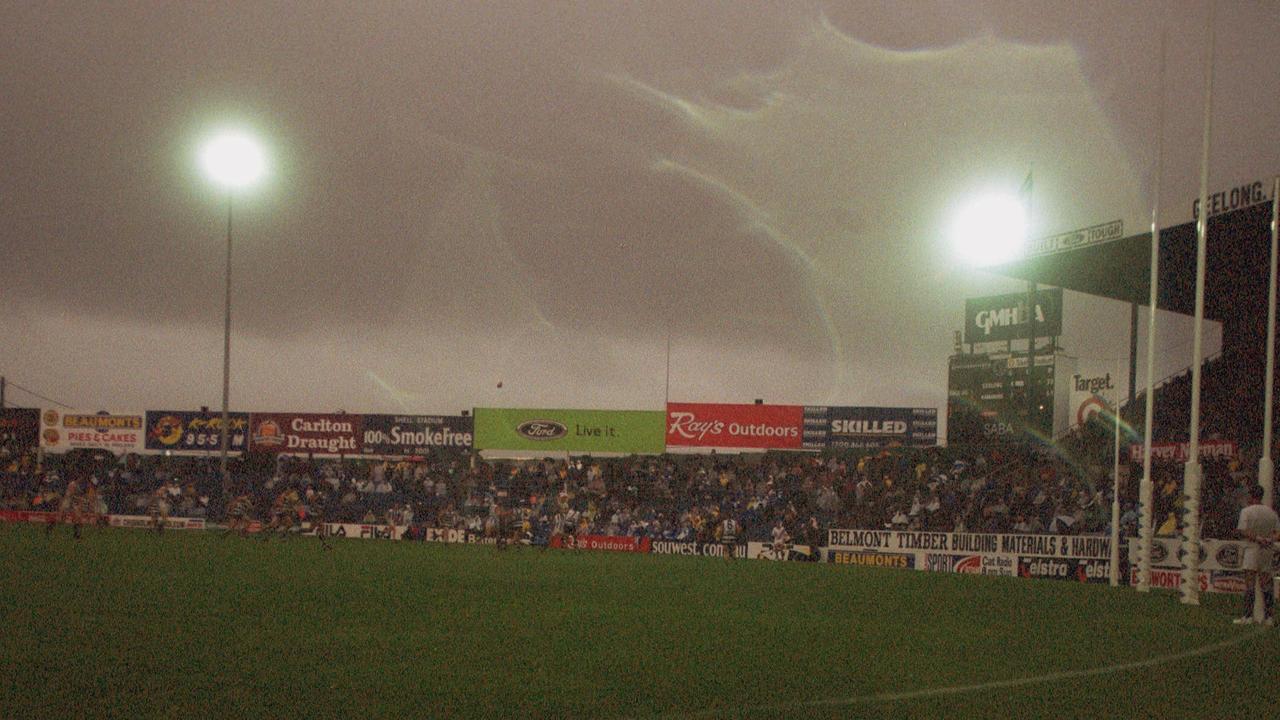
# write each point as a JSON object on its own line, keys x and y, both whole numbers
{"x": 1004, "y": 317}
{"x": 415, "y": 434}
{"x": 717, "y": 425}
{"x": 614, "y": 431}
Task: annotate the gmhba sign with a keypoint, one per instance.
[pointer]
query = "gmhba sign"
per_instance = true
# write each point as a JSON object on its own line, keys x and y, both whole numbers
{"x": 1005, "y": 317}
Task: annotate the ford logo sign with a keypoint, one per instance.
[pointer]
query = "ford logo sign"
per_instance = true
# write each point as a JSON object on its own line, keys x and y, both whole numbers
{"x": 1158, "y": 552}
{"x": 1229, "y": 556}
{"x": 542, "y": 429}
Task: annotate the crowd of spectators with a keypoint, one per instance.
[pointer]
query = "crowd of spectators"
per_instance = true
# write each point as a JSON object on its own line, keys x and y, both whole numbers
{"x": 672, "y": 497}
{"x": 121, "y": 485}
{"x": 1231, "y": 405}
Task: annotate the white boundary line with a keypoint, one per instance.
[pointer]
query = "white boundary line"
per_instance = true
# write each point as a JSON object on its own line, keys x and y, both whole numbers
{"x": 879, "y": 698}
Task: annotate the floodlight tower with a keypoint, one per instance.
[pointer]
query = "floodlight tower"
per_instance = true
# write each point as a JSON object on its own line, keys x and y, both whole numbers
{"x": 233, "y": 160}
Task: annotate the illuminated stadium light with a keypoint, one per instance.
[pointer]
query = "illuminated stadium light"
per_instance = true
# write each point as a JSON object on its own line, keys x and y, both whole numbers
{"x": 233, "y": 160}
{"x": 990, "y": 230}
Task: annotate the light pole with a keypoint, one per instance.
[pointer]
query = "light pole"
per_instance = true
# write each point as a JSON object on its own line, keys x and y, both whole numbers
{"x": 1193, "y": 473}
{"x": 233, "y": 160}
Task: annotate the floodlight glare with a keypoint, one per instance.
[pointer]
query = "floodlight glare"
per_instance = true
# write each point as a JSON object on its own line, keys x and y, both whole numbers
{"x": 990, "y": 230}
{"x": 233, "y": 159}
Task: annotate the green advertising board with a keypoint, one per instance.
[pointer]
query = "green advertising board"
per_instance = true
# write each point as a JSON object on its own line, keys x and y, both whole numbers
{"x": 614, "y": 431}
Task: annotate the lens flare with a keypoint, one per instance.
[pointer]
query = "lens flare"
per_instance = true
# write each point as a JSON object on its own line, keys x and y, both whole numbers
{"x": 990, "y": 230}
{"x": 233, "y": 159}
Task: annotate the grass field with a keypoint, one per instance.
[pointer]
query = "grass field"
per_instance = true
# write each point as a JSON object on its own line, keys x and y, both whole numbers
{"x": 127, "y": 624}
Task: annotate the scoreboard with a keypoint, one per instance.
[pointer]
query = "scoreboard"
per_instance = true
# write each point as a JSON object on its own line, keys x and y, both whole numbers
{"x": 991, "y": 397}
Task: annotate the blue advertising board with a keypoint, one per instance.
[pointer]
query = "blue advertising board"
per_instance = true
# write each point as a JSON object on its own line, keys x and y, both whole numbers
{"x": 187, "y": 430}
{"x": 842, "y": 428}
{"x": 416, "y": 434}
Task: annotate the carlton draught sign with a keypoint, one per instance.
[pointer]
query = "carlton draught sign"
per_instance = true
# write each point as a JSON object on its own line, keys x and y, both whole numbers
{"x": 734, "y": 426}
{"x": 305, "y": 433}
{"x": 1005, "y": 317}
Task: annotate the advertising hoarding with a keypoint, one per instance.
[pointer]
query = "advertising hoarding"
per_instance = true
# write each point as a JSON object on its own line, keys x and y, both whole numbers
{"x": 721, "y": 425}
{"x": 1216, "y": 555}
{"x": 415, "y": 434}
{"x": 614, "y": 543}
{"x": 1083, "y": 558}
{"x": 1076, "y": 239}
{"x": 117, "y": 432}
{"x": 861, "y": 558}
{"x": 843, "y": 427}
{"x": 1179, "y": 452}
{"x": 1002, "y": 565}
{"x": 144, "y": 522}
{"x": 1074, "y": 569}
{"x": 183, "y": 430}
{"x": 1005, "y": 317}
{"x": 677, "y": 547}
{"x": 303, "y": 433}
{"x": 364, "y": 531}
{"x": 1092, "y": 392}
{"x": 559, "y": 430}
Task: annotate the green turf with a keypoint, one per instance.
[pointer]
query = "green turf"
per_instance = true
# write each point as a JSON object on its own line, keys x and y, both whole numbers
{"x": 127, "y": 624}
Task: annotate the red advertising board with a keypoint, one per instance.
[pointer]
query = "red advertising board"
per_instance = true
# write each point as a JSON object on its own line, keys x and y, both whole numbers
{"x": 617, "y": 543}
{"x": 34, "y": 516}
{"x": 303, "y": 433}
{"x": 1179, "y": 452}
{"x": 735, "y": 426}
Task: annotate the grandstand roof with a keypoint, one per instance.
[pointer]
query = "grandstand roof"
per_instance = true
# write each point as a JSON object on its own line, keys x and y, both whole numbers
{"x": 1239, "y": 245}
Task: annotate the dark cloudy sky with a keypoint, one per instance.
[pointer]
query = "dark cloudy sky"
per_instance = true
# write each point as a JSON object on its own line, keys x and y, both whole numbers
{"x": 539, "y": 192}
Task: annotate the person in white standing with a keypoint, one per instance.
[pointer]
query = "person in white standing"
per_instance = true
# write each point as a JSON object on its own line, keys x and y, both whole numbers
{"x": 781, "y": 540}
{"x": 1259, "y": 527}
